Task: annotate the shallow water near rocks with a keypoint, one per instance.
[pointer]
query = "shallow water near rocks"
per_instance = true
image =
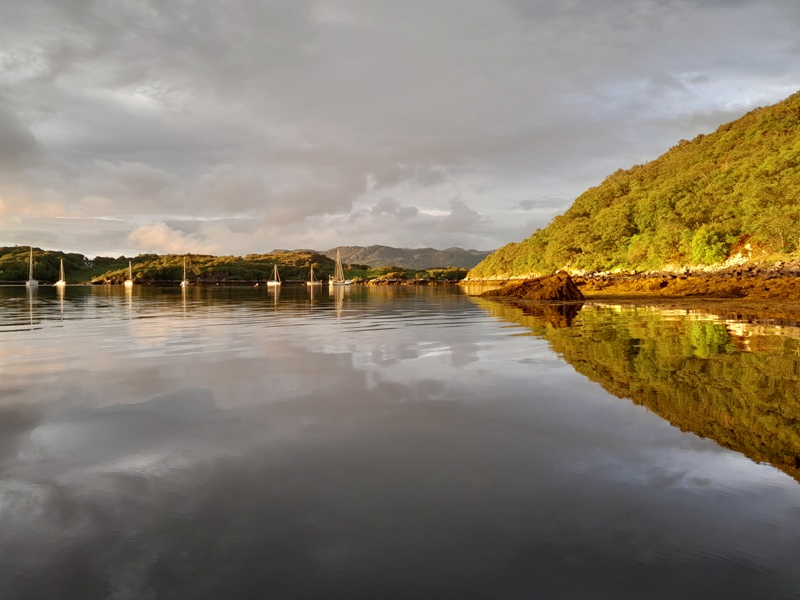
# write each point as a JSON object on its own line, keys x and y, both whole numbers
{"x": 391, "y": 443}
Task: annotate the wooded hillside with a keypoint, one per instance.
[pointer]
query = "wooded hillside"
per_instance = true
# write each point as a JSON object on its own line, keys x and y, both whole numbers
{"x": 734, "y": 191}
{"x": 409, "y": 258}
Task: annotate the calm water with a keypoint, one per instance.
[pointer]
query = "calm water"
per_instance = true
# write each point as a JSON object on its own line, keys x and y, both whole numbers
{"x": 391, "y": 443}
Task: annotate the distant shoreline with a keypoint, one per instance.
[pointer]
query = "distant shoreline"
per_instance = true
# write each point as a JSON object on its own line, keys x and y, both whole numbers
{"x": 243, "y": 283}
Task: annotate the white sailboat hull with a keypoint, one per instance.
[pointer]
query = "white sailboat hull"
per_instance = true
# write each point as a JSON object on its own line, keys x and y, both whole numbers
{"x": 338, "y": 273}
{"x": 313, "y": 280}
{"x": 60, "y": 283}
{"x": 276, "y": 279}
{"x": 32, "y": 283}
{"x": 184, "y": 281}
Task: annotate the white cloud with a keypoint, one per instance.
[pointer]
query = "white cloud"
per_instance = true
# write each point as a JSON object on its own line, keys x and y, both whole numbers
{"x": 163, "y": 239}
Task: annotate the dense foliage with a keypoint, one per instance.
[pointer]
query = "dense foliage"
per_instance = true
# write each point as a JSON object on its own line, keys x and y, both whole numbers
{"x": 736, "y": 190}
{"x": 14, "y": 263}
{"x": 691, "y": 372}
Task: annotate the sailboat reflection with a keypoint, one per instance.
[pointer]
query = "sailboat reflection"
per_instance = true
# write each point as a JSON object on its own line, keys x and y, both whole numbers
{"x": 275, "y": 292}
{"x": 31, "y": 297}
{"x": 61, "y": 291}
{"x": 338, "y": 298}
{"x": 729, "y": 379}
{"x": 129, "y": 298}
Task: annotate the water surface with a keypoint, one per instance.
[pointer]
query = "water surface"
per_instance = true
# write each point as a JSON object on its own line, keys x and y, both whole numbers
{"x": 390, "y": 443}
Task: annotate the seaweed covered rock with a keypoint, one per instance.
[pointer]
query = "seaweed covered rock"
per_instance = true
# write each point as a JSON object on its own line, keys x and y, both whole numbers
{"x": 558, "y": 286}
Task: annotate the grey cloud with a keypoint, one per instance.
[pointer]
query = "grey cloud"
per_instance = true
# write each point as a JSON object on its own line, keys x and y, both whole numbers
{"x": 538, "y": 204}
{"x": 663, "y": 80}
{"x": 700, "y": 79}
{"x": 388, "y": 207}
{"x": 19, "y": 148}
{"x": 242, "y": 226}
{"x": 462, "y": 217}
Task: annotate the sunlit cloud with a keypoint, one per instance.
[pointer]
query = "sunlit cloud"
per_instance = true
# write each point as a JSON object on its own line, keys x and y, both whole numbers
{"x": 160, "y": 238}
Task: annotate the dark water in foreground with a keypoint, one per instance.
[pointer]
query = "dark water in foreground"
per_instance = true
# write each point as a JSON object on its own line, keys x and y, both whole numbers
{"x": 391, "y": 443}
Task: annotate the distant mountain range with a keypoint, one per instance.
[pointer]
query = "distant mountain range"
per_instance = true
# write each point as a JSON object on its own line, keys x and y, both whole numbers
{"x": 409, "y": 258}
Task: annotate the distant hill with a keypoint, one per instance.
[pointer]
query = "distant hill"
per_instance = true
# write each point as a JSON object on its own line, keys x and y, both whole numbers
{"x": 409, "y": 258}
{"x": 733, "y": 192}
{"x": 46, "y": 263}
{"x": 160, "y": 268}
{"x": 293, "y": 266}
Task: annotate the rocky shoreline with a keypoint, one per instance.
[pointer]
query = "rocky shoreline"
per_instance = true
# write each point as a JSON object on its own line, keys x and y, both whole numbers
{"x": 777, "y": 281}
{"x": 558, "y": 287}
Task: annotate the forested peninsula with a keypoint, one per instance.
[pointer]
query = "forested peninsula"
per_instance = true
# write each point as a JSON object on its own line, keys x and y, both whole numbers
{"x": 726, "y": 200}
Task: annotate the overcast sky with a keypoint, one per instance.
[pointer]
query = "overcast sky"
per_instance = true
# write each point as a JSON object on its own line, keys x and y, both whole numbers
{"x": 238, "y": 126}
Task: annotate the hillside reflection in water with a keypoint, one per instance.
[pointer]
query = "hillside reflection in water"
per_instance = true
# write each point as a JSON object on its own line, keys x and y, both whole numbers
{"x": 734, "y": 381}
{"x": 387, "y": 443}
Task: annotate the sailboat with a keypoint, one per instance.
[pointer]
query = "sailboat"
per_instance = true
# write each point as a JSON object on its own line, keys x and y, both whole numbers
{"x": 276, "y": 279}
{"x": 184, "y": 281}
{"x": 129, "y": 281}
{"x": 61, "y": 281}
{"x": 312, "y": 280}
{"x": 338, "y": 273}
{"x": 31, "y": 283}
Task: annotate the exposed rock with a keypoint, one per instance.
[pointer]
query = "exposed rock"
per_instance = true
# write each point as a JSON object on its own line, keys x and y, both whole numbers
{"x": 755, "y": 283}
{"x": 558, "y": 286}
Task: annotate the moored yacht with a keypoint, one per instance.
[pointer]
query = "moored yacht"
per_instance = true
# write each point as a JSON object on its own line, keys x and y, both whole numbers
{"x": 31, "y": 283}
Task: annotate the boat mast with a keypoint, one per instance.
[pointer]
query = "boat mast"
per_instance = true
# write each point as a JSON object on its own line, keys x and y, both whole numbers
{"x": 128, "y": 283}
{"x": 31, "y": 283}
{"x": 184, "y": 281}
{"x": 338, "y": 271}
